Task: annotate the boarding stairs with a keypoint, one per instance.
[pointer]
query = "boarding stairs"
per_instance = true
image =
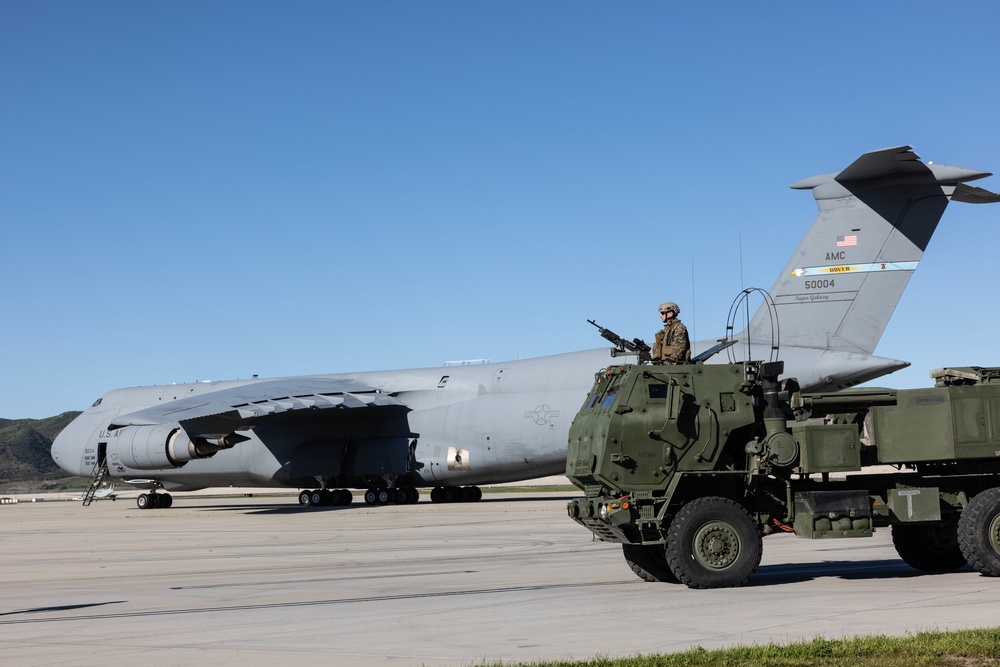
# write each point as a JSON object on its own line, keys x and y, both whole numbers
{"x": 96, "y": 479}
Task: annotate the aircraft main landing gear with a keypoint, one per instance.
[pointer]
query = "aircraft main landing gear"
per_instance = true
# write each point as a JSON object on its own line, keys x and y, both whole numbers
{"x": 456, "y": 494}
{"x": 403, "y": 495}
{"x": 153, "y": 500}
{"x": 326, "y": 497}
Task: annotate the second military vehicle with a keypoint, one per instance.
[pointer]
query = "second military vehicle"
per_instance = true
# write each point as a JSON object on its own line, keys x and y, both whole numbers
{"x": 690, "y": 466}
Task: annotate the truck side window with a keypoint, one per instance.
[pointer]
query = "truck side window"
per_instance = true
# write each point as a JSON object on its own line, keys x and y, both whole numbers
{"x": 657, "y": 391}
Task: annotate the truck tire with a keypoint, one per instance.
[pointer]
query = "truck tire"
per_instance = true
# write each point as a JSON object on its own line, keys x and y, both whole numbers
{"x": 713, "y": 542}
{"x": 929, "y": 548}
{"x": 979, "y": 532}
{"x": 649, "y": 562}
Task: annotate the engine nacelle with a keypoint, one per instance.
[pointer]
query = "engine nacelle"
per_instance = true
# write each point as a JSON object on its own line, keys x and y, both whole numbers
{"x": 163, "y": 446}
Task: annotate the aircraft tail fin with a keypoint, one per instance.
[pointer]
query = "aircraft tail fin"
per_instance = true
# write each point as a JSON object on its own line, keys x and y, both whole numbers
{"x": 875, "y": 220}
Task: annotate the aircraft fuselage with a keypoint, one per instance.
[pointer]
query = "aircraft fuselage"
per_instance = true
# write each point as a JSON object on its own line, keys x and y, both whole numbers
{"x": 471, "y": 424}
{"x": 465, "y": 425}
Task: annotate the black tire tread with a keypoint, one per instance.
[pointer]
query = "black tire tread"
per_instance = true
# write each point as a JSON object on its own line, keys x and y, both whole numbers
{"x": 649, "y": 562}
{"x": 676, "y": 547}
{"x": 972, "y": 532}
{"x": 914, "y": 544}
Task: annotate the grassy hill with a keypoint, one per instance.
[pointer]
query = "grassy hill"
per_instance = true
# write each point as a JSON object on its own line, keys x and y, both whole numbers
{"x": 25, "y": 446}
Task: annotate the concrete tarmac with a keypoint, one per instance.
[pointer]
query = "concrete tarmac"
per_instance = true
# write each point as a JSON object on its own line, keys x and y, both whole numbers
{"x": 263, "y": 581}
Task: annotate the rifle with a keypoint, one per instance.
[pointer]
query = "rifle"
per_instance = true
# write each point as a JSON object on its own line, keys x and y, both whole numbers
{"x": 636, "y": 346}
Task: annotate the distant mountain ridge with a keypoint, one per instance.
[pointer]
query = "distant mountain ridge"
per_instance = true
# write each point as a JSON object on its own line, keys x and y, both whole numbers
{"x": 26, "y": 445}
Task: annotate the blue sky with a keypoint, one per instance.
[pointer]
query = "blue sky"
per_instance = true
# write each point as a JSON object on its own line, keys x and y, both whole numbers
{"x": 209, "y": 190}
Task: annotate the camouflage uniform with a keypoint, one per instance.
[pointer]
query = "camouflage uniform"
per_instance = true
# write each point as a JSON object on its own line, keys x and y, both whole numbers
{"x": 672, "y": 345}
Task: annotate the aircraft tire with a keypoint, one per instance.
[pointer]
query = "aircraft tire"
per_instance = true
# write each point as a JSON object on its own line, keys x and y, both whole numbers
{"x": 412, "y": 495}
{"x": 450, "y": 494}
{"x": 713, "y": 542}
{"x": 345, "y": 497}
{"x": 166, "y": 500}
{"x": 387, "y": 497}
{"x": 437, "y": 495}
{"x": 979, "y": 532}
{"x": 649, "y": 562}
{"x": 142, "y": 502}
{"x": 475, "y": 494}
{"x": 371, "y": 497}
{"x": 928, "y": 547}
{"x": 304, "y": 497}
{"x": 318, "y": 498}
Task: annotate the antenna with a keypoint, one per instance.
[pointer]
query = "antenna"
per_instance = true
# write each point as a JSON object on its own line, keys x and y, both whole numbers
{"x": 746, "y": 300}
{"x": 694, "y": 312}
{"x": 742, "y": 286}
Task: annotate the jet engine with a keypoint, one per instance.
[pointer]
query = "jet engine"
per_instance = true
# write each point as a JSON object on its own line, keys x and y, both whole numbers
{"x": 164, "y": 446}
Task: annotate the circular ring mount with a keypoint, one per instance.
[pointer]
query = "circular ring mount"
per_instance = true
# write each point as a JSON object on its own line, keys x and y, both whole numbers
{"x": 741, "y": 304}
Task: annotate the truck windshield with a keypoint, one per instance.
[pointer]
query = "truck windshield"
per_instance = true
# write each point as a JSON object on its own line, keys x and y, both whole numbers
{"x": 604, "y": 394}
{"x": 609, "y": 397}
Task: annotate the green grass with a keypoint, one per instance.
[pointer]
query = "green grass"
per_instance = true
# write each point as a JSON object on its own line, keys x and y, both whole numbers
{"x": 963, "y": 648}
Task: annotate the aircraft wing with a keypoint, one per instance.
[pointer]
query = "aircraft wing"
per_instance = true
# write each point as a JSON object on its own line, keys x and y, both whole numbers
{"x": 244, "y": 406}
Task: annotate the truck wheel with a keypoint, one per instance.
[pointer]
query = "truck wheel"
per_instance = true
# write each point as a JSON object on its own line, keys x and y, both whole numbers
{"x": 929, "y": 548}
{"x": 649, "y": 562}
{"x": 713, "y": 543}
{"x": 979, "y": 532}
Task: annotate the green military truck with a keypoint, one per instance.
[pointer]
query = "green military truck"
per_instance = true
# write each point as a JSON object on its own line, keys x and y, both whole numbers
{"x": 690, "y": 466}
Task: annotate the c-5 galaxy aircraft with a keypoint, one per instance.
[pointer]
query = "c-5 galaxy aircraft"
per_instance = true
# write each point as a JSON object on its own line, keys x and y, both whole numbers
{"x": 451, "y": 428}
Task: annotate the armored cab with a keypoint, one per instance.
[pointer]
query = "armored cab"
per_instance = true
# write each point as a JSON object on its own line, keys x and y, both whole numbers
{"x": 690, "y": 466}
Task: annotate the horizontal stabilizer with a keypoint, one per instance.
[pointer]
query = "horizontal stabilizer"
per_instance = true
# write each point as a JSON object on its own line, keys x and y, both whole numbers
{"x": 969, "y": 194}
{"x": 885, "y": 162}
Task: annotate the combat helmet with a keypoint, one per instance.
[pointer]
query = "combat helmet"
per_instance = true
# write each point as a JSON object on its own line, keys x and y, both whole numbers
{"x": 670, "y": 305}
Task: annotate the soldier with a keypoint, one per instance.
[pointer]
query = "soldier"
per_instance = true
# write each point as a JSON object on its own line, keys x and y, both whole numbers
{"x": 672, "y": 345}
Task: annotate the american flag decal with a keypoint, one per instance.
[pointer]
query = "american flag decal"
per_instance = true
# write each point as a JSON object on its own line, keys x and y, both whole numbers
{"x": 847, "y": 240}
